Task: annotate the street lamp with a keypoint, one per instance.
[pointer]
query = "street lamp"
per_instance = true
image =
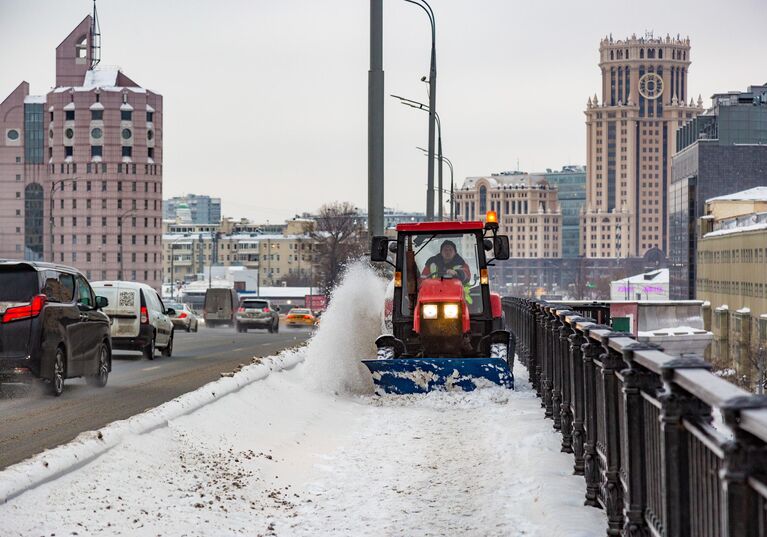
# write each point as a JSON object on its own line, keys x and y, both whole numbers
{"x": 432, "y": 105}
{"x": 420, "y": 106}
{"x": 452, "y": 184}
{"x": 55, "y": 183}
{"x": 120, "y": 225}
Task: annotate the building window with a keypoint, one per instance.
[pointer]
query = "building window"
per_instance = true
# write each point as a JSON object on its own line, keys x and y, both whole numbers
{"x": 69, "y": 115}
{"x": 68, "y": 151}
{"x": 150, "y": 152}
{"x": 482, "y": 199}
{"x": 97, "y": 115}
{"x": 149, "y": 118}
{"x": 96, "y": 133}
{"x": 126, "y": 134}
{"x": 126, "y": 115}
{"x": 127, "y": 151}
{"x": 96, "y": 151}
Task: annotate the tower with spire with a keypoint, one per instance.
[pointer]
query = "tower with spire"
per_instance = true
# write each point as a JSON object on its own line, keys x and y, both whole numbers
{"x": 631, "y": 129}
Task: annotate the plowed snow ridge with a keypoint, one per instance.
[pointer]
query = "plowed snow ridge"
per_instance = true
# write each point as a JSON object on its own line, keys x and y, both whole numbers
{"x": 295, "y": 455}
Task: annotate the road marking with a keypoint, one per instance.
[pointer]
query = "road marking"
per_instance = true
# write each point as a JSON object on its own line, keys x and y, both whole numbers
{"x": 151, "y": 368}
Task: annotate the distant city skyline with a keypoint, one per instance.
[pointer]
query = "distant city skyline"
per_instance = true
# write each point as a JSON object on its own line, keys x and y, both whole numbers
{"x": 270, "y": 115}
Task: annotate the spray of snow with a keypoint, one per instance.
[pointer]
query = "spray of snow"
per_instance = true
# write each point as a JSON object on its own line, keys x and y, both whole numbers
{"x": 347, "y": 333}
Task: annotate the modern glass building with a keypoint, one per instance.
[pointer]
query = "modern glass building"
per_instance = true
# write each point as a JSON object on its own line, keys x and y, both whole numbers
{"x": 719, "y": 152}
{"x": 570, "y": 182}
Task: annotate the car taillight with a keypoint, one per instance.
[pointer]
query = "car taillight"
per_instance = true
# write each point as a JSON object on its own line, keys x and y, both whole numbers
{"x": 27, "y": 311}
{"x": 144, "y": 315}
{"x": 182, "y": 315}
{"x": 241, "y": 310}
{"x": 266, "y": 310}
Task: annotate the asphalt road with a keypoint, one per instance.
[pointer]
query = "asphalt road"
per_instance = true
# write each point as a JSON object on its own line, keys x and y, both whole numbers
{"x": 32, "y": 421}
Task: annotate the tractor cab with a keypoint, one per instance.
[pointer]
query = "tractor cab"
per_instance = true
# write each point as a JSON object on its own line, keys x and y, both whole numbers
{"x": 443, "y": 312}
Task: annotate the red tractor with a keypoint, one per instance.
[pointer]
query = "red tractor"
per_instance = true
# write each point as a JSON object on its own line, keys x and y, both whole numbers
{"x": 448, "y": 331}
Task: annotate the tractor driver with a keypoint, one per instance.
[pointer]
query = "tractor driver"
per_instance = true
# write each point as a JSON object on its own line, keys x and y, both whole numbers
{"x": 447, "y": 263}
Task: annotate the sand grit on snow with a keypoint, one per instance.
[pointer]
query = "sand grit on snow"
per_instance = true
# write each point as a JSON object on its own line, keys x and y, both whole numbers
{"x": 296, "y": 454}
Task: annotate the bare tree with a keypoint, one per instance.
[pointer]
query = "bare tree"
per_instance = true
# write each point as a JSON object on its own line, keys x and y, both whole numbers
{"x": 339, "y": 235}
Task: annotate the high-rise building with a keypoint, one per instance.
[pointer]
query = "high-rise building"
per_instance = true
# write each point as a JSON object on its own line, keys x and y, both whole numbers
{"x": 722, "y": 151}
{"x": 631, "y": 136}
{"x": 203, "y": 209}
{"x": 81, "y": 168}
{"x": 570, "y": 183}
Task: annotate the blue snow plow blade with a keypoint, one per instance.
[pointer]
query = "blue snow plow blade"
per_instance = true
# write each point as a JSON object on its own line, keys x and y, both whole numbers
{"x": 421, "y": 375}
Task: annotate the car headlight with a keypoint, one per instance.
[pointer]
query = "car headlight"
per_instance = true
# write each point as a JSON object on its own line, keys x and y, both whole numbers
{"x": 430, "y": 311}
{"x": 451, "y": 311}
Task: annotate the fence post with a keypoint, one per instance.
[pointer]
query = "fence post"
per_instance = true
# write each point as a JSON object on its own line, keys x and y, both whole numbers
{"x": 577, "y": 340}
{"x": 591, "y": 351}
{"x": 546, "y": 380}
{"x": 676, "y": 405}
{"x": 565, "y": 394}
{"x": 612, "y": 491}
{"x": 636, "y": 379}
{"x": 744, "y": 456}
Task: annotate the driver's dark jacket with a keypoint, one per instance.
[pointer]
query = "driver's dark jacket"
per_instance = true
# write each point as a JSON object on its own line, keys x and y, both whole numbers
{"x": 436, "y": 266}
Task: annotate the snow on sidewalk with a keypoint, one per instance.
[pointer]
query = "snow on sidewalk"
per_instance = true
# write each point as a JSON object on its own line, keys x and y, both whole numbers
{"x": 309, "y": 452}
{"x": 276, "y": 459}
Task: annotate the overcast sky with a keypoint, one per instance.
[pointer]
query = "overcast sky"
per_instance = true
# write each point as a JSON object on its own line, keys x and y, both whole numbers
{"x": 266, "y": 102}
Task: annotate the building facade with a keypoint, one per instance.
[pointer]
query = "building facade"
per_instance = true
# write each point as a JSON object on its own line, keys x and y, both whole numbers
{"x": 731, "y": 276}
{"x": 570, "y": 183}
{"x": 631, "y": 136}
{"x": 189, "y": 250}
{"x": 81, "y": 169}
{"x": 200, "y": 209}
{"x": 527, "y": 207}
{"x": 719, "y": 152}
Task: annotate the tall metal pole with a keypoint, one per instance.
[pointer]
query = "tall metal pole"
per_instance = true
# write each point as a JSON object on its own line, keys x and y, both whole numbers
{"x": 376, "y": 121}
{"x": 432, "y": 107}
{"x": 440, "y": 216}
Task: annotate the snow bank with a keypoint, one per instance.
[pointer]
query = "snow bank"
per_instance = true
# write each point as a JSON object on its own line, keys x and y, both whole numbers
{"x": 87, "y": 446}
{"x": 347, "y": 333}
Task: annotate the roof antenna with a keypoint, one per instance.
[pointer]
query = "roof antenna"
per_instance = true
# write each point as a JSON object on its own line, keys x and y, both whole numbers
{"x": 95, "y": 38}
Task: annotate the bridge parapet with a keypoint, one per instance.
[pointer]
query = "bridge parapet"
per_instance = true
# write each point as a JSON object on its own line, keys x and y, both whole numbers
{"x": 643, "y": 426}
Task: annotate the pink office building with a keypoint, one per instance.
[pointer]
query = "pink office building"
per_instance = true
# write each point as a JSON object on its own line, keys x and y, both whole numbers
{"x": 81, "y": 167}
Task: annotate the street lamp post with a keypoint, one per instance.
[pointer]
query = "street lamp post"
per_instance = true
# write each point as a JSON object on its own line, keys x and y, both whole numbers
{"x": 420, "y": 106}
{"x": 432, "y": 106}
{"x": 54, "y": 184}
{"x": 441, "y": 190}
{"x": 120, "y": 225}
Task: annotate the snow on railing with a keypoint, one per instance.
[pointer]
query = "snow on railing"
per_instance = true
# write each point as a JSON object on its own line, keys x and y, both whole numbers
{"x": 640, "y": 424}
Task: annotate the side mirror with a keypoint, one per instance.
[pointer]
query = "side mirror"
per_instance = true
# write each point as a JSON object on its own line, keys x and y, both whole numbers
{"x": 170, "y": 311}
{"x": 378, "y": 248}
{"x": 501, "y": 249}
{"x": 276, "y": 308}
{"x": 101, "y": 302}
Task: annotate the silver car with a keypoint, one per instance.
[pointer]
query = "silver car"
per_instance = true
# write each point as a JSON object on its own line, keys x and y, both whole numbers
{"x": 257, "y": 313}
{"x": 185, "y": 317}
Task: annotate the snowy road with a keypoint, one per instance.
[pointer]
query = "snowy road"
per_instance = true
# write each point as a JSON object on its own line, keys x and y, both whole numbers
{"x": 307, "y": 452}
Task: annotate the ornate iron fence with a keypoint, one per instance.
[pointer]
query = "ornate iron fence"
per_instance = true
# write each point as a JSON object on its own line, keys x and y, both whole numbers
{"x": 640, "y": 425}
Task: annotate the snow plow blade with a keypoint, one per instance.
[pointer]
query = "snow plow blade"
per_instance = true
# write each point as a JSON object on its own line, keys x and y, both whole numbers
{"x": 421, "y": 375}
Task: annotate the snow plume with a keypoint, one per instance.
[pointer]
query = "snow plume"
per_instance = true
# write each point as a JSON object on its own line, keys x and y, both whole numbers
{"x": 347, "y": 333}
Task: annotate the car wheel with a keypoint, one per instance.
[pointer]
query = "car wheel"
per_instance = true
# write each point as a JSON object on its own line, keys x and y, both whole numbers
{"x": 149, "y": 350}
{"x": 168, "y": 350}
{"x": 270, "y": 329}
{"x": 189, "y": 327}
{"x": 277, "y": 327}
{"x": 57, "y": 380}
{"x": 100, "y": 378}
{"x": 196, "y": 326}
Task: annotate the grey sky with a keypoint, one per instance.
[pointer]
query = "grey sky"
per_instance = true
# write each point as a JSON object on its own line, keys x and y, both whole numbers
{"x": 266, "y": 102}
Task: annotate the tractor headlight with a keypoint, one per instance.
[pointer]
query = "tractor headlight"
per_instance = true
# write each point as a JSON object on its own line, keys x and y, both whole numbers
{"x": 451, "y": 311}
{"x": 430, "y": 311}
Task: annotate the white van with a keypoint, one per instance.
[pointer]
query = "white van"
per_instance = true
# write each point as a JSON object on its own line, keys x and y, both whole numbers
{"x": 139, "y": 319}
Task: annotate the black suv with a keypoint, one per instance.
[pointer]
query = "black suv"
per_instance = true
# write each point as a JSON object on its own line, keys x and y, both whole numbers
{"x": 51, "y": 325}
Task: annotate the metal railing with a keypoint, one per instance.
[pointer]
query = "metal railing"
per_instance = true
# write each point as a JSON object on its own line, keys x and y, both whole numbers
{"x": 640, "y": 425}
